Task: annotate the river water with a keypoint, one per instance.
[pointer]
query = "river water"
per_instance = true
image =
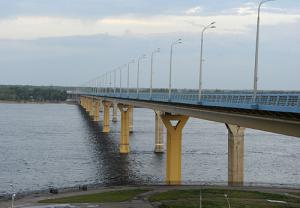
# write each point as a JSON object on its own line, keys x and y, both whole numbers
{"x": 55, "y": 145}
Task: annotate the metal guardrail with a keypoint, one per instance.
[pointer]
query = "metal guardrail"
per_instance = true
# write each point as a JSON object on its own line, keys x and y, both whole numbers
{"x": 277, "y": 102}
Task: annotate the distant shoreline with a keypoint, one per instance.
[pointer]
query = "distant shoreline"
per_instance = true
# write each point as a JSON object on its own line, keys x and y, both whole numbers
{"x": 33, "y": 102}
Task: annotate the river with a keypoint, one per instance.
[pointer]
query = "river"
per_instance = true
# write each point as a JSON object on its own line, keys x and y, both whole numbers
{"x": 55, "y": 145}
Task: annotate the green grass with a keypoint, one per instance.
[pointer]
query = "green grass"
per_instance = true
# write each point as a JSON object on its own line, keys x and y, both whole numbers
{"x": 111, "y": 196}
{"x": 214, "y": 198}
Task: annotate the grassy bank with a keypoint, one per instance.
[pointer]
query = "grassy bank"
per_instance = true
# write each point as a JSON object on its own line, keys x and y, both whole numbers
{"x": 189, "y": 198}
{"x": 111, "y": 196}
{"x": 217, "y": 198}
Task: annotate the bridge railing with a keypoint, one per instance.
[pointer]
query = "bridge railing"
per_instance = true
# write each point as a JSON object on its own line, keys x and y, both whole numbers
{"x": 269, "y": 101}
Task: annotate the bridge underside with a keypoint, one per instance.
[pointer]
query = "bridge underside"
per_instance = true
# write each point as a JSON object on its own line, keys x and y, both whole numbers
{"x": 280, "y": 123}
{"x": 236, "y": 120}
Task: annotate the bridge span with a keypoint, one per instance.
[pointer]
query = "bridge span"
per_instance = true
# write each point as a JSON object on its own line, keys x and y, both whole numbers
{"x": 273, "y": 112}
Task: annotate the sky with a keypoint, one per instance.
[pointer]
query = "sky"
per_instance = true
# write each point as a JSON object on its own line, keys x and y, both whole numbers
{"x": 69, "y": 42}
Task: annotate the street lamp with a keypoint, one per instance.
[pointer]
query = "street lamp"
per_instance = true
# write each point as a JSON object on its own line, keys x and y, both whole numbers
{"x": 170, "y": 73}
{"x": 115, "y": 80}
{"x": 256, "y": 50}
{"x": 138, "y": 74}
{"x": 110, "y": 88}
{"x": 151, "y": 73}
{"x": 210, "y": 26}
{"x": 106, "y": 85}
{"x": 120, "y": 68}
{"x": 128, "y": 65}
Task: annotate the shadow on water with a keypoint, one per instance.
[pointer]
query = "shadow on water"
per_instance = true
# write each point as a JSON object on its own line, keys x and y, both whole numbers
{"x": 113, "y": 168}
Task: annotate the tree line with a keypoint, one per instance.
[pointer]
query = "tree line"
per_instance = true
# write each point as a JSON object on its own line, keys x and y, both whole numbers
{"x": 32, "y": 93}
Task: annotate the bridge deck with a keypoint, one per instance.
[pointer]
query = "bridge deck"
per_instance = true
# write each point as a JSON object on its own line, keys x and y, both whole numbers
{"x": 276, "y": 102}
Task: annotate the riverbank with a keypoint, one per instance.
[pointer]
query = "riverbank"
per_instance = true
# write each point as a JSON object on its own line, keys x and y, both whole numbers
{"x": 164, "y": 196}
{"x": 34, "y": 102}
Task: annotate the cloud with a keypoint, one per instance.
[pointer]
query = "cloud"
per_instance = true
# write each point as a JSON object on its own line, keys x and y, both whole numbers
{"x": 32, "y": 27}
{"x": 194, "y": 11}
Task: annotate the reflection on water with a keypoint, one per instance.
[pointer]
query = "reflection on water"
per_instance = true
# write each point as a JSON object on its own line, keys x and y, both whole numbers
{"x": 45, "y": 145}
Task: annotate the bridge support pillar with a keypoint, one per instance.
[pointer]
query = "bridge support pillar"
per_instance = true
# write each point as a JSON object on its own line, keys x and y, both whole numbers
{"x": 174, "y": 140}
{"x": 130, "y": 112}
{"x": 159, "y": 130}
{"x": 106, "y": 108}
{"x": 96, "y": 111}
{"x": 235, "y": 154}
{"x": 84, "y": 104}
{"x": 90, "y": 106}
{"x": 124, "y": 134}
{"x": 115, "y": 112}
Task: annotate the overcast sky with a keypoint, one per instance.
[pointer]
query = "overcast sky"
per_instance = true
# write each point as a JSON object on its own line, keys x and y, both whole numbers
{"x": 68, "y": 42}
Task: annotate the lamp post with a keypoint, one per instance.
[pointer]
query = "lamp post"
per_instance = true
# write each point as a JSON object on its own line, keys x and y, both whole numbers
{"x": 256, "y": 50}
{"x": 121, "y": 67}
{"x": 128, "y": 69}
{"x": 106, "y": 83}
{"x": 138, "y": 74}
{"x": 210, "y": 26}
{"x": 109, "y": 83}
{"x": 115, "y": 81}
{"x": 151, "y": 72}
{"x": 171, "y": 57}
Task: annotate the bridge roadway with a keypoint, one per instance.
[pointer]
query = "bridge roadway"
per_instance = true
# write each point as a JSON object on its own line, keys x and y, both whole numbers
{"x": 277, "y": 113}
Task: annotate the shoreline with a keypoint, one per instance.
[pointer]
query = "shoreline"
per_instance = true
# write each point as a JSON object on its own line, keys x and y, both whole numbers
{"x": 34, "y": 102}
{"x": 77, "y": 189}
{"x": 35, "y": 197}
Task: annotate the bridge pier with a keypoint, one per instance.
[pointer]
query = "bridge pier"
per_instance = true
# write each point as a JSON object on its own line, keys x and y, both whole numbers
{"x": 96, "y": 110}
{"x": 115, "y": 112}
{"x": 90, "y": 106}
{"x": 106, "y": 108}
{"x": 235, "y": 154}
{"x": 159, "y": 130}
{"x": 130, "y": 119}
{"x": 174, "y": 141}
{"x": 85, "y": 103}
{"x": 124, "y": 134}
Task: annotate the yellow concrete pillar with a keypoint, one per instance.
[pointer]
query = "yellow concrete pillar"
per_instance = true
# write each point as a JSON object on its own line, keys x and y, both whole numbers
{"x": 124, "y": 134}
{"x": 235, "y": 154}
{"x": 91, "y": 107}
{"x": 159, "y": 130}
{"x": 88, "y": 105}
{"x": 106, "y": 121}
{"x": 130, "y": 120}
{"x": 96, "y": 110}
{"x": 115, "y": 112}
{"x": 84, "y": 103}
{"x": 174, "y": 139}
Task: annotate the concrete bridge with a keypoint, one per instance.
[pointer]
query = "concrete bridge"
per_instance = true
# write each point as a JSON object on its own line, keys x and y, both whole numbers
{"x": 277, "y": 112}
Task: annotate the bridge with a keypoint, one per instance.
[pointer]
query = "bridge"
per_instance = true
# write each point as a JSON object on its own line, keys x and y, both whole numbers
{"x": 277, "y": 112}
